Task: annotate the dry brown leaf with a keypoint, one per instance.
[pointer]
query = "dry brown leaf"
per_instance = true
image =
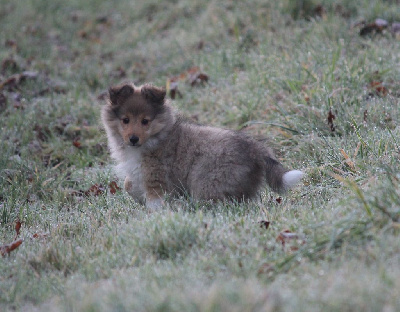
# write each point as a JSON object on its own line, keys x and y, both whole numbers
{"x": 331, "y": 118}
{"x": 172, "y": 88}
{"x": 17, "y": 228}
{"x": 376, "y": 27}
{"x": 14, "y": 81}
{"x": 193, "y": 76}
{"x": 77, "y": 144}
{"x": 290, "y": 241}
{"x": 6, "y": 249}
{"x": 196, "y": 77}
{"x": 3, "y": 102}
{"x": 320, "y": 11}
{"x": 200, "y": 45}
{"x": 264, "y": 224}
{"x": 285, "y": 236}
{"x": 55, "y": 89}
{"x": 40, "y": 235}
{"x": 113, "y": 187}
{"x": 378, "y": 88}
{"x": 95, "y": 190}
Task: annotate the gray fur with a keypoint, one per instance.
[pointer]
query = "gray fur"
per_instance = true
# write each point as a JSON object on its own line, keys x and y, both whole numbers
{"x": 181, "y": 157}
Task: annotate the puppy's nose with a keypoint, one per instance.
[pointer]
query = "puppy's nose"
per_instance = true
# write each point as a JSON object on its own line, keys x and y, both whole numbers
{"x": 134, "y": 139}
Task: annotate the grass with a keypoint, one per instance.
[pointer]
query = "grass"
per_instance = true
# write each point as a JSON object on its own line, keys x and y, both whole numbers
{"x": 275, "y": 69}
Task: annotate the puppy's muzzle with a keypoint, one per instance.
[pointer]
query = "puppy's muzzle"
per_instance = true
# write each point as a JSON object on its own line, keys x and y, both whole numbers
{"x": 134, "y": 139}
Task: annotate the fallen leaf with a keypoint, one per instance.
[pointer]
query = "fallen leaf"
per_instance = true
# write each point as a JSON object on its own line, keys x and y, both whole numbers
{"x": 103, "y": 20}
{"x": 3, "y": 102}
{"x": 17, "y": 228}
{"x": 285, "y": 236}
{"x": 378, "y": 88}
{"x": 306, "y": 97}
{"x": 172, "y": 88}
{"x": 264, "y": 224}
{"x": 193, "y": 76}
{"x": 113, "y": 187}
{"x": 77, "y": 143}
{"x": 290, "y": 241}
{"x": 199, "y": 78}
{"x": 40, "y": 235}
{"x": 376, "y": 27}
{"x": 196, "y": 77}
{"x": 55, "y": 89}
{"x": 6, "y": 249}
{"x": 95, "y": 190}
{"x": 331, "y": 118}
{"x": 14, "y": 81}
{"x": 320, "y": 11}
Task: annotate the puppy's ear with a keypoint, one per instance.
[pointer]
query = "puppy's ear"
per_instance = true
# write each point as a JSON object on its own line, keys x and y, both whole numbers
{"x": 154, "y": 94}
{"x": 120, "y": 93}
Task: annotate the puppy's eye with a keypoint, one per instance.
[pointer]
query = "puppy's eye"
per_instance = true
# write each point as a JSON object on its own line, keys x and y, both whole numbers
{"x": 145, "y": 121}
{"x": 125, "y": 120}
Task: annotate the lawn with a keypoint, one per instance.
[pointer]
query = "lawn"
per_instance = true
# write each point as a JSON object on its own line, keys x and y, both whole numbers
{"x": 319, "y": 79}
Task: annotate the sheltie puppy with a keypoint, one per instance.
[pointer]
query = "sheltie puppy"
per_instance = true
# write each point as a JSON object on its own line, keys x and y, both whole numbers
{"x": 159, "y": 152}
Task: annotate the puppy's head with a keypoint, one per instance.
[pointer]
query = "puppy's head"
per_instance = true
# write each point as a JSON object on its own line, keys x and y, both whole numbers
{"x": 138, "y": 110}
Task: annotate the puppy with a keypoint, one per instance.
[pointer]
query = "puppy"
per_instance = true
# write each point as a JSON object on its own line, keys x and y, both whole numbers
{"x": 158, "y": 152}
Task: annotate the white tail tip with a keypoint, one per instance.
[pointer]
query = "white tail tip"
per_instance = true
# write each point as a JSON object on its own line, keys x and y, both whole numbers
{"x": 291, "y": 178}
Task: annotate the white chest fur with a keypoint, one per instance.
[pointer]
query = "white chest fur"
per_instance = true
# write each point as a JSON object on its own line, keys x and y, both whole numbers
{"x": 129, "y": 168}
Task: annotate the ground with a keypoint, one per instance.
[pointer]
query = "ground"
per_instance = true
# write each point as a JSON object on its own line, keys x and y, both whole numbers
{"x": 320, "y": 79}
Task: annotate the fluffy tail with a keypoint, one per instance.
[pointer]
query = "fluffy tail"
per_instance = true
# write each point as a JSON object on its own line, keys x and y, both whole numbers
{"x": 278, "y": 178}
{"x": 291, "y": 178}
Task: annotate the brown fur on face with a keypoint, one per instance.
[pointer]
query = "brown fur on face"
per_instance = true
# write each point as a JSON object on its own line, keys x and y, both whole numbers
{"x": 137, "y": 109}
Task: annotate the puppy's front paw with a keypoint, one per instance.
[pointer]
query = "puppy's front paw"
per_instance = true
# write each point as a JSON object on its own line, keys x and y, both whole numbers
{"x": 134, "y": 190}
{"x": 154, "y": 204}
